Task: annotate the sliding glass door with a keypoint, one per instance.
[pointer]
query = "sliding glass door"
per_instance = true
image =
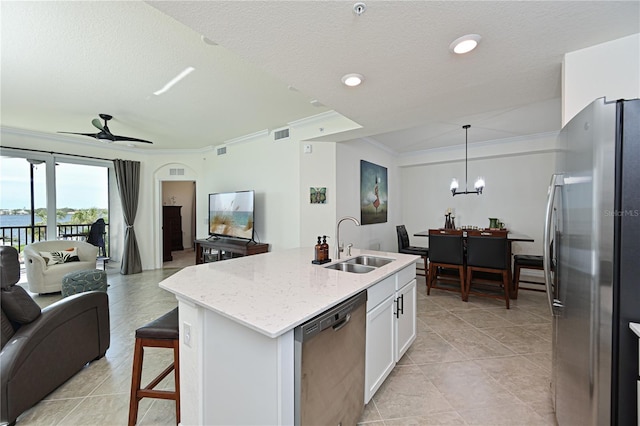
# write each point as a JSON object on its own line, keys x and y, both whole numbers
{"x": 82, "y": 197}
{"x": 44, "y": 197}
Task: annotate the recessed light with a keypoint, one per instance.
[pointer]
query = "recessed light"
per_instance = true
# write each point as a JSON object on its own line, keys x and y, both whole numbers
{"x": 352, "y": 80}
{"x": 465, "y": 44}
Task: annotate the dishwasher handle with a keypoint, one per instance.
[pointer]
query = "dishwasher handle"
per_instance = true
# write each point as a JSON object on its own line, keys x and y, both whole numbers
{"x": 339, "y": 325}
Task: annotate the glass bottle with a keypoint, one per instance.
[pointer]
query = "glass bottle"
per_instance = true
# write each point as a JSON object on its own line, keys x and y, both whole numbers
{"x": 325, "y": 248}
{"x": 318, "y": 251}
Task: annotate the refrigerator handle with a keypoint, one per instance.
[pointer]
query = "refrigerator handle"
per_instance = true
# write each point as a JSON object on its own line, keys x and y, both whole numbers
{"x": 557, "y": 180}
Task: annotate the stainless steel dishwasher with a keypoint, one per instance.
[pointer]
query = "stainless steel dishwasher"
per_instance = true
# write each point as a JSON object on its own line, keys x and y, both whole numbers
{"x": 329, "y": 365}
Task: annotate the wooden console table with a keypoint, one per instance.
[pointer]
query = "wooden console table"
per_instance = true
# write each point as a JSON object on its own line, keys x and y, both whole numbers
{"x": 239, "y": 247}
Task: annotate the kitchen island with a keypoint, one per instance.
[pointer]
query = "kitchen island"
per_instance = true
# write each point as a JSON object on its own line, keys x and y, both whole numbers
{"x": 237, "y": 321}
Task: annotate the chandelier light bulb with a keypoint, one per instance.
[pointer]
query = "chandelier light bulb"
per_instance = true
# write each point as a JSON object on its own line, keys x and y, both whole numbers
{"x": 479, "y": 185}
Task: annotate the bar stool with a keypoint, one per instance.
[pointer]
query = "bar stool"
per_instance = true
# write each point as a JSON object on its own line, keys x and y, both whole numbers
{"x": 160, "y": 333}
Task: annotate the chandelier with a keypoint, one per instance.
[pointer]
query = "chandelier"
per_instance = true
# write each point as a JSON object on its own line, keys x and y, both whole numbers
{"x": 479, "y": 184}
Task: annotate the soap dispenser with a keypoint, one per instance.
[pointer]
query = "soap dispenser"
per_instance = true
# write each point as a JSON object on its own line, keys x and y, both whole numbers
{"x": 325, "y": 249}
{"x": 319, "y": 253}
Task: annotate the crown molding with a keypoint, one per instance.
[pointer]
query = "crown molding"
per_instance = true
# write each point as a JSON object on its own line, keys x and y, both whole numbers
{"x": 484, "y": 144}
{"x": 244, "y": 139}
{"x": 315, "y": 119}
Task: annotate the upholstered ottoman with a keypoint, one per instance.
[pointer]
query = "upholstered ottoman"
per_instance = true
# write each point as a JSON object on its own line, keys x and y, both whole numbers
{"x": 81, "y": 281}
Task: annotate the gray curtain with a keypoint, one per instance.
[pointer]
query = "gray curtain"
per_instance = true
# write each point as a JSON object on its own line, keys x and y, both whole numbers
{"x": 128, "y": 178}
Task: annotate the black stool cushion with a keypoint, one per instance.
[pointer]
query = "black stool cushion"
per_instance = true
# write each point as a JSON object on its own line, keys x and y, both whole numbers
{"x": 420, "y": 251}
{"x": 528, "y": 260}
{"x": 165, "y": 327}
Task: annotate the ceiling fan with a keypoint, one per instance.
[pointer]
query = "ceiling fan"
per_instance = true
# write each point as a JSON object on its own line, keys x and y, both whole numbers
{"x": 105, "y": 134}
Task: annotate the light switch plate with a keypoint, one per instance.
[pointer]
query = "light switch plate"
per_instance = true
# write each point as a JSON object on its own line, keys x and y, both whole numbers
{"x": 307, "y": 148}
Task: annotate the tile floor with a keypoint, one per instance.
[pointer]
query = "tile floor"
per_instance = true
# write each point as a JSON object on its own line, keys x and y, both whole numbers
{"x": 472, "y": 363}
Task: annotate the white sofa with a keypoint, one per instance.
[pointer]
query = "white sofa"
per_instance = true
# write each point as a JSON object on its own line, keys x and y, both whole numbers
{"x": 43, "y": 278}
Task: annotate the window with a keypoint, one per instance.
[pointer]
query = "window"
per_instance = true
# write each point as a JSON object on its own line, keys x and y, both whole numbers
{"x": 49, "y": 197}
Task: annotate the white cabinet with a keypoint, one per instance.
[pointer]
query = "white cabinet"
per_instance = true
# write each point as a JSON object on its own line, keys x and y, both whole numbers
{"x": 391, "y": 326}
{"x": 405, "y": 319}
{"x": 379, "y": 356}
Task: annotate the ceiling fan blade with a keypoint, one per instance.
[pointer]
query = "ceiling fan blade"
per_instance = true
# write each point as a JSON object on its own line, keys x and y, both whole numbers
{"x": 91, "y": 135}
{"x": 105, "y": 134}
{"x": 125, "y": 138}
{"x": 97, "y": 124}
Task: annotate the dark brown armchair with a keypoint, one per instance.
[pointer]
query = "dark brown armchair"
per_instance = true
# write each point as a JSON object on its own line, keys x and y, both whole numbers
{"x": 41, "y": 349}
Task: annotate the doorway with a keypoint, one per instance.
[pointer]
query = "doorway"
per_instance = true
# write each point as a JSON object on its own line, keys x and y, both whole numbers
{"x": 178, "y": 223}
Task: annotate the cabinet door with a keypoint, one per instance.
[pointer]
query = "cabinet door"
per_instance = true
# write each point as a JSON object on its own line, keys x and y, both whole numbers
{"x": 379, "y": 360}
{"x": 405, "y": 318}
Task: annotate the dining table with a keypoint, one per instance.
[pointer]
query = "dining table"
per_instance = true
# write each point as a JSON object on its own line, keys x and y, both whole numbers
{"x": 512, "y": 237}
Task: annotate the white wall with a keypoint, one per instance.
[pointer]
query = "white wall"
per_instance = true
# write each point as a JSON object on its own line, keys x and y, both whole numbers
{"x": 515, "y": 192}
{"x": 317, "y": 169}
{"x": 270, "y": 168}
{"x": 281, "y": 174}
{"x": 379, "y": 236}
{"x": 610, "y": 70}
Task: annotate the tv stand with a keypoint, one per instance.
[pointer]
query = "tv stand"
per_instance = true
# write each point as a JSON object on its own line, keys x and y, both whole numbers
{"x": 234, "y": 247}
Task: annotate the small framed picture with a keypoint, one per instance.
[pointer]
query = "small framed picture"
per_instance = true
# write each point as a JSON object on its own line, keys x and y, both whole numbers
{"x": 318, "y": 195}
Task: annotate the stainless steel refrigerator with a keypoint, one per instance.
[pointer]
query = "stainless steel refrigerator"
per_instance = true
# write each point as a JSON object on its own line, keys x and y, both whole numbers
{"x": 592, "y": 265}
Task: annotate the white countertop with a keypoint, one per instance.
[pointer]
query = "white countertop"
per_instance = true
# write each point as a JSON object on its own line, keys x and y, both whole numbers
{"x": 274, "y": 292}
{"x": 635, "y": 327}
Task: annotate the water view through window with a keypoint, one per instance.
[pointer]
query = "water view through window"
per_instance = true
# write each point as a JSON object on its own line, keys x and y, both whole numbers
{"x": 81, "y": 194}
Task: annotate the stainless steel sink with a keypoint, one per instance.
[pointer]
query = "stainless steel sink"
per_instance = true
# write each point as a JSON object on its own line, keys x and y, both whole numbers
{"x": 374, "y": 261}
{"x": 351, "y": 267}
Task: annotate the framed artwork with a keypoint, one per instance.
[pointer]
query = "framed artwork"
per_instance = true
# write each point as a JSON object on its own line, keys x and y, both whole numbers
{"x": 373, "y": 193}
{"x": 318, "y": 195}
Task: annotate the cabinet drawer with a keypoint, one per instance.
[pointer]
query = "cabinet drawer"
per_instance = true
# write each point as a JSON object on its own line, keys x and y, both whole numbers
{"x": 405, "y": 276}
{"x": 380, "y": 291}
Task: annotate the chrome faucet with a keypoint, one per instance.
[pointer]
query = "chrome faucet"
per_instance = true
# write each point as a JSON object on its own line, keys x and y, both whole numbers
{"x": 338, "y": 247}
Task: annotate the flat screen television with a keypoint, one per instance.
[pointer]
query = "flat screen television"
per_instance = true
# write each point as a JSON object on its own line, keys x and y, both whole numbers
{"x": 231, "y": 214}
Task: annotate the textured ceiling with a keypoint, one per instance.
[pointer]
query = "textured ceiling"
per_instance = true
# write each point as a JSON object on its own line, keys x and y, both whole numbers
{"x": 65, "y": 62}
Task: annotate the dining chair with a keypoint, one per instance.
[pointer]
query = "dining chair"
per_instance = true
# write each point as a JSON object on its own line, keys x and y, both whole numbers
{"x": 446, "y": 260}
{"x": 528, "y": 261}
{"x": 405, "y": 247}
{"x": 488, "y": 264}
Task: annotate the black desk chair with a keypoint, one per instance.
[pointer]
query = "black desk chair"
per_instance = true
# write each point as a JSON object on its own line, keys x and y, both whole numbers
{"x": 446, "y": 254}
{"x": 96, "y": 236}
{"x": 405, "y": 247}
{"x": 488, "y": 254}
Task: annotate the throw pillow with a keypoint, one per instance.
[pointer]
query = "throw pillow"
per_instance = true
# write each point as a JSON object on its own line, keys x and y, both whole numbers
{"x": 62, "y": 256}
{"x": 18, "y": 305}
